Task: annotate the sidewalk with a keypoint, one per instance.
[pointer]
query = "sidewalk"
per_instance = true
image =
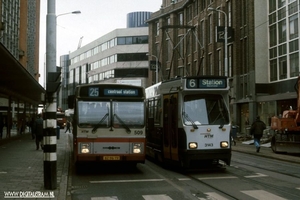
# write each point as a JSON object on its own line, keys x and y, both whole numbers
{"x": 22, "y": 166}
{"x": 249, "y": 148}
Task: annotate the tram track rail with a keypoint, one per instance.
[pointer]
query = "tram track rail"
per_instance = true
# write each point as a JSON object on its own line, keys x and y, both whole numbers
{"x": 251, "y": 181}
{"x": 274, "y": 163}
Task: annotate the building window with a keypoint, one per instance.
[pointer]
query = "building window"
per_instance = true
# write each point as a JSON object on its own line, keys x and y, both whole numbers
{"x": 128, "y": 40}
{"x": 169, "y": 50}
{"x": 180, "y": 22}
{"x": 281, "y": 3}
{"x": 83, "y": 74}
{"x": 273, "y": 35}
{"x": 282, "y": 31}
{"x": 202, "y": 5}
{"x": 281, "y": 14}
{"x": 196, "y": 6}
{"x": 229, "y": 13}
{"x": 273, "y": 70}
{"x": 157, "y": 28}
{"x": 202, "y": 32}
{"x": 210, "y": 29}
{"x": 131, "y": 57}
{"x": 282, "y": 68}
{"x": 189, "y": 13}
{"x": 180, "y": 71}
{"x": 272, "y": 6}
{"x": 282, "y": 49}
{"x": 180, "y": 46}
{"x": 294, "y": 46}
{"x": 293, "y": 27}
{"x": 210, "y": 65}
{"x": 121, "y": 40}
{"x": 294, "y": 64}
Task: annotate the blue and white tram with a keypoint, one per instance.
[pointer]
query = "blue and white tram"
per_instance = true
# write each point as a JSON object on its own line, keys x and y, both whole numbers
{"x": 188, "y": 121}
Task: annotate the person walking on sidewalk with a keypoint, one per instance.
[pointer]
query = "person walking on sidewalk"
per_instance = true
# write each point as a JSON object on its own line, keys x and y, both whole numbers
{"x": 38, "y": 131}
{"x": 257, "y": 129}
{"x": 68, "y": 127}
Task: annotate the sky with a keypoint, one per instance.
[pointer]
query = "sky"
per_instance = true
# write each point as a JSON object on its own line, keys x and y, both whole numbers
{"x": 97, "y": 18}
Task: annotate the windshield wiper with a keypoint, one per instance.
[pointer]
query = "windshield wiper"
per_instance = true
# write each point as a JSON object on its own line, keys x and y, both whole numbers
{"x": 99, "y": 123}
{"x": 123, "y": 124}
{"x": 190, "y": 120}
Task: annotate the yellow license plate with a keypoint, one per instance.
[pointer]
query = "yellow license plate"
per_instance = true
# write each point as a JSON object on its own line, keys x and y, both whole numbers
{"x": 111, "y": 157}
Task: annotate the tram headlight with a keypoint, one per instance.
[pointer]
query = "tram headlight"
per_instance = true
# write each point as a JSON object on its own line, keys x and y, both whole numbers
{"x": 193, "y": 145}
{"x": 224, "y": 144}
{"x": 136, "y": 148}
{"x": 85, "y": 148}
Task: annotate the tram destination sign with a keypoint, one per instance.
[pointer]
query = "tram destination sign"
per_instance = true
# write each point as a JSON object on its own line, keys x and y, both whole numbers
{"x": 203, "y": 83}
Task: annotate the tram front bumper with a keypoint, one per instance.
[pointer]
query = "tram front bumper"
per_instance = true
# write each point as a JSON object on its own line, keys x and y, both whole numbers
{"x": 191, "y": 158}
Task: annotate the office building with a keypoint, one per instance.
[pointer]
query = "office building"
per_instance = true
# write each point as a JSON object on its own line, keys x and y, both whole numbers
{"x": 20, "y": 92}
{"x": 262, "y": 50}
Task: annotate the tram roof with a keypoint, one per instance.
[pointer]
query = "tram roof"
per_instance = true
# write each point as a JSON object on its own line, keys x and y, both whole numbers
{"x": 16, "y": 81}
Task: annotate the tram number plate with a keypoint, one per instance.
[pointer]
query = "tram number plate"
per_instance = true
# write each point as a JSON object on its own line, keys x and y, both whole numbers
{"x": 111, "y": 157}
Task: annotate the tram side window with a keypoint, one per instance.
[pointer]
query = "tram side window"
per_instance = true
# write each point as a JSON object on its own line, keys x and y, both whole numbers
{"x": 150, "y": 108}
{"x": 158, "y": 111}
{"x": 154, "y": 110}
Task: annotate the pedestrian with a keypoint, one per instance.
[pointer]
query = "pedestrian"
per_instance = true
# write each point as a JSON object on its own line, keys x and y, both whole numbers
{"x": 68, "y": 127}
{"x": 38, "y": 132}
{"x": 257, "y": 129}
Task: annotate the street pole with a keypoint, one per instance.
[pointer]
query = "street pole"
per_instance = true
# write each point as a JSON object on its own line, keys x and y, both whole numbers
{"x": 52, "y": 84}
{"x": 49, "y": 139}
{"x": 156, "y": 78}
{"x": 225, "y": 39}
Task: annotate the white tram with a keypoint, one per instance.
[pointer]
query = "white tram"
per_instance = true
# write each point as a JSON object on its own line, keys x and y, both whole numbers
{"x": 188, "y": 121}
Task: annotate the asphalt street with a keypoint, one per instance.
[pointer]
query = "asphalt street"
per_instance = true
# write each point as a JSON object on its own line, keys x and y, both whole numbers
{"x": 21, "y": 168}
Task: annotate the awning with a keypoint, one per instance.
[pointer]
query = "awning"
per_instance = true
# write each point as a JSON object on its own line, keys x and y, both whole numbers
{"x": 16, "y": 81}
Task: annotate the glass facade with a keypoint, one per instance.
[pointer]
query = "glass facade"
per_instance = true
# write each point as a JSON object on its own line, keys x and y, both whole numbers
{"x": 9, "y": 37}
{"x": 283, "y": 39}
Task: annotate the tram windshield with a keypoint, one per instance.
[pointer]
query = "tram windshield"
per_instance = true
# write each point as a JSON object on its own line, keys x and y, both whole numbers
{"x": 106, "y": 114}
{"x": 204, "y": 109}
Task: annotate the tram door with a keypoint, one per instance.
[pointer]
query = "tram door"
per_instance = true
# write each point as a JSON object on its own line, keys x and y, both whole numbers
{"x": 170, "y": 114}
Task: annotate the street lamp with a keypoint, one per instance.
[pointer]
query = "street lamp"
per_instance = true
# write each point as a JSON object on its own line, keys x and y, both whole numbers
{"x": 225, "y": 35}
{"x": 156, "y": 68}
{"x": 74, "y": 12}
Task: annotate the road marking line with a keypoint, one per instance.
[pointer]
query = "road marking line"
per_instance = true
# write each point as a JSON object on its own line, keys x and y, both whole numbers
{"x": 256, "y": 176}
{"x": 214, "y": 178}
{"x": 184, "y": 179}
{"x": 262, "y": 195}
{"x": 215, "y": 195}
{"x": 157, "y": 197}
{"x": 127, "y": 181}
{"x": 105, "y": 198}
